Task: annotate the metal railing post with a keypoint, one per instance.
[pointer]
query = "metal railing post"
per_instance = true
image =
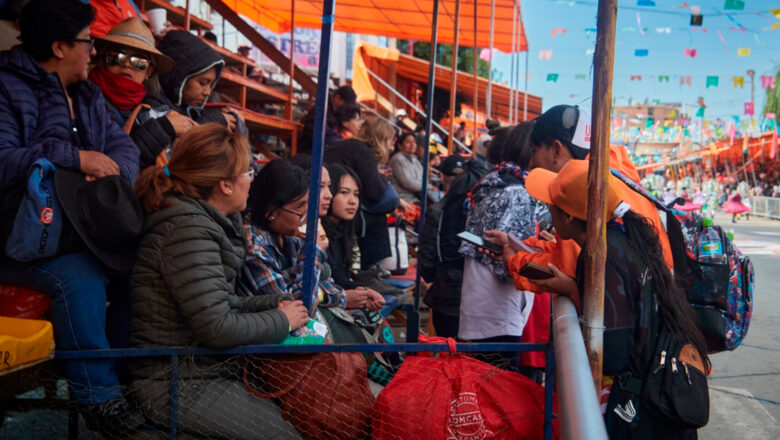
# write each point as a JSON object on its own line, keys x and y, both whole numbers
{"x": 312, "y": 220}
{"x": 413, "y": 320}
{"x": 173, "y": 397}
{"x": 577, "y": 399}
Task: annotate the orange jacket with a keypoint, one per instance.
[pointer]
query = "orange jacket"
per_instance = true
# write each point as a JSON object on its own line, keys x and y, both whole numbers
{"x": 109, "y": 14}
{"x": 564, "y": 253}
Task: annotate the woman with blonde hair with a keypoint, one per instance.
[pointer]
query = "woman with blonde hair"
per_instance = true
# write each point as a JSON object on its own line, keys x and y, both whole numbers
{"x": 380, "y": 136}
{"x": 183, "y": 289}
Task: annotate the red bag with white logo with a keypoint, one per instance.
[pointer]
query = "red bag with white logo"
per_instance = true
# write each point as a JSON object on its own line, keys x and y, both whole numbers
{"x": 456, "y": 397}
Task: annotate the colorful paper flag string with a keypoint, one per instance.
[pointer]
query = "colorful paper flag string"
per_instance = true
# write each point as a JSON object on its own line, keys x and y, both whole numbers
{"x": 767, "y": 81}
{"x": 557, "y": 31}
{"x": 663, "y": 30}
{"x": 690, "y": 53}
{"x": 739, "y": 81}
{"x": 712, "y": 81}
{"x": 723, "y": 40}
{"x": 663, "y": 78}
{"x": 734, "y": 5}
{"x": 641, "y": 52}
{"x": 645, "y": 3}
{"x": 552, "y": 77}
{"x": 686, "y": 79}
{"x": 636, "y": 77}
{"x": 749, "y": 108}
{"x": 545, "y": 54}
{"x": 743, "y": 52}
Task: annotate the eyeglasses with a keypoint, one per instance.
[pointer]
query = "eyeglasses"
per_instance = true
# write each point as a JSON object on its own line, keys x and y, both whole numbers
{"x": 251, "y": 174}
{"x": 118, "y": 57}
{"x": 90, "y": 41}
{"x": 301, "y": 216}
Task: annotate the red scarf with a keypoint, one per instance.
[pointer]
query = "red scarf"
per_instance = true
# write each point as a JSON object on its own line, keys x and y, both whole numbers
{"x": 122, "y": 91}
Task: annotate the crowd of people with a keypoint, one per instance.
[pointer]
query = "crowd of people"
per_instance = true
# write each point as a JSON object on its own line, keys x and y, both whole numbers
{"x": 212, "y": 252}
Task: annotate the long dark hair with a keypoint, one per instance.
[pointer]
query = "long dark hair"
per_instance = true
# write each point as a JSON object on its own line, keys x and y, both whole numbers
{"x": 277, "y": 184}
{"x": 673, "y": 308}
{"x": 401, "y": 140}
{"x": 343, "y": 231}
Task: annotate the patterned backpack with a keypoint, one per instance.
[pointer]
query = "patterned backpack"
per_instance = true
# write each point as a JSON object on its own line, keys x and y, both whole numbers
{"x": 721, "y": 293}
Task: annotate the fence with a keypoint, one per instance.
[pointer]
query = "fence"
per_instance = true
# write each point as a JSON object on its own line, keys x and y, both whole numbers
{"x": 180, "y": 397}
{"x": 768, "y": 207}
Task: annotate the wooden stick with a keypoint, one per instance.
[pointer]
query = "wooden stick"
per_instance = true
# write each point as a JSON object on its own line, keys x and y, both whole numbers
{"x": 596, "y": 245}
{"x": 476, "y": 86}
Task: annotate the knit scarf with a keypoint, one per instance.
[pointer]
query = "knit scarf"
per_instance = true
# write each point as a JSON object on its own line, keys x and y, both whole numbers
{"x": 120, "y": 90}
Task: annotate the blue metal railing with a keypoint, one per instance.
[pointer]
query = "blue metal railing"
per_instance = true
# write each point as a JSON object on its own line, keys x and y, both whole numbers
{"x": 175, "y": 352}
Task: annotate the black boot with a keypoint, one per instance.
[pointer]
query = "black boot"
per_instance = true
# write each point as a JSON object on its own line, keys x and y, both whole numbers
{"x": 112, "y": 417}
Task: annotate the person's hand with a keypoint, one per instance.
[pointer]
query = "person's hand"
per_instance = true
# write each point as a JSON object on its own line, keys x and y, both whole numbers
{"x": 385, "y": 170}
{"x": 375, "y": 301}
{"x": 296, "y": 313}
{"x": 181, "y": 124}
{"x": 502, "y": 239}
{"x": 230, "y": 118}
{"x": 167, "y": 27}
{"x": 362, "y": 297}
{"x": 560, "y": 283}
{"x": 549, "y": 236}
{"x": 96, "y": 165}
{"x": 322, "y": 242}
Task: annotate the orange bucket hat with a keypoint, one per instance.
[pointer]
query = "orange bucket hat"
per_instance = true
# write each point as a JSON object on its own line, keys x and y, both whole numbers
{"x": 568, "y": 190}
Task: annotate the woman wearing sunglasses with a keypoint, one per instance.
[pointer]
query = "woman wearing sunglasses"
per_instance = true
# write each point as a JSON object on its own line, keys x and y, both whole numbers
{"x": 126, "y": 69}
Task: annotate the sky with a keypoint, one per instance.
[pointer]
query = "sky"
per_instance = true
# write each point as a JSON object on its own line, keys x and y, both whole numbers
{"x": 666, "y": 34}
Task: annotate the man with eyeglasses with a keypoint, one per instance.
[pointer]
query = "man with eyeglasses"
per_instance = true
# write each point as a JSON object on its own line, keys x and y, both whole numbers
{"x": 48, "y": 111}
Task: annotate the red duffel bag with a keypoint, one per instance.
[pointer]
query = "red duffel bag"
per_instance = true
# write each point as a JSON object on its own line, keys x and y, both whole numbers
{"x": 456, "y": 397}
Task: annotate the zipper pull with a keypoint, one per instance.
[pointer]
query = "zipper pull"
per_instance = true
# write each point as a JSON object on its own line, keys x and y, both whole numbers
{"x": 687, "y": 374}
{"x": 661, "y": 363}
{"x": 674, "y": 365}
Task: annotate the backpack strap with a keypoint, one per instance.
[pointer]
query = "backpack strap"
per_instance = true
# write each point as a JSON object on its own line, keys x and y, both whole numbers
{"x": 131, "y": 120}
{"x": 668, "y": 219}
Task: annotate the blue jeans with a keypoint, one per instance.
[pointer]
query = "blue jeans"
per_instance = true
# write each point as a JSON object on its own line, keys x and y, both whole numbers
{"x": 76, "y": 285}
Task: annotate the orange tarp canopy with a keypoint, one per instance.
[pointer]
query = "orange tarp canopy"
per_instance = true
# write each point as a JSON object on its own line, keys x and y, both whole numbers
{"x": 410, "y": 19}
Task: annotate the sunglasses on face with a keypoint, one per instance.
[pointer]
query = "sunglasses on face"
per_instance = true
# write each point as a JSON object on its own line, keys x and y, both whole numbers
{"x": 118, "y": 58}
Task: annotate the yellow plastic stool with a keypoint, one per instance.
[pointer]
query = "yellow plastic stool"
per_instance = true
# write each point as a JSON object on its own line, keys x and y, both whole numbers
{"x": 24, "y": 342}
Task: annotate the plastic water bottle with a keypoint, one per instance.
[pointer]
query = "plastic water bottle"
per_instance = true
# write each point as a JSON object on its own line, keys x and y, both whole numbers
{"x": 711, "y": 245}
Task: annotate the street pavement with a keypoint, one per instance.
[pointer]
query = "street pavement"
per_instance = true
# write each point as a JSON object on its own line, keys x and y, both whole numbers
{"x": 744, "y": 385}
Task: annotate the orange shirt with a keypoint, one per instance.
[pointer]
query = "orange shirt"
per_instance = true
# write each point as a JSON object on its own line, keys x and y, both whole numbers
{"x": 564, "y": 253}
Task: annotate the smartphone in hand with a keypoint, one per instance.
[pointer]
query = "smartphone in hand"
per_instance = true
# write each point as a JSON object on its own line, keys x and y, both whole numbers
{"x": 480, "y": 242}
{"x": 533, "y": 271}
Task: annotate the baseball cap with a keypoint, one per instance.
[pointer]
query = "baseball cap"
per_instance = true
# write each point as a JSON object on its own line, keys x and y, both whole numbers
{"x": 566, "y": 123}
{"x": 400, "y": 112}
{"x": 565, "y": 190}
{"x": 452, "y": 165}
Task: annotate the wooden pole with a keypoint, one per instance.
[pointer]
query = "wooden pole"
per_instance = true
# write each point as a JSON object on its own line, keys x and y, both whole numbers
{"x": 596, "y": 245}
{"x": 489, "y": 97}
{"x": 476, "y": 86}
{"x": 454, "y": 84}
{"x": 512, "y": 67}
{"x": 187, "y": 16}
{"x": 288, "y": 108}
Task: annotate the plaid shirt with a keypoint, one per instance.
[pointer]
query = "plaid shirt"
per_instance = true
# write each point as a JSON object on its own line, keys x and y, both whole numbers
{"x": 263, "y": 274}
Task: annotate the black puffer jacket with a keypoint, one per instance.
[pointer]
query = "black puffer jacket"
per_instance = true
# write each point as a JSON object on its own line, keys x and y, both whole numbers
{"x": 151, "y": 131}
{"x": 183, "y": 285}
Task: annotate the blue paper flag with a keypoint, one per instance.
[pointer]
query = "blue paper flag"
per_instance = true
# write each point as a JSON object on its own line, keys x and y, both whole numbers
{"x": 641, "y": 52}
{"x": 645, "y": 3}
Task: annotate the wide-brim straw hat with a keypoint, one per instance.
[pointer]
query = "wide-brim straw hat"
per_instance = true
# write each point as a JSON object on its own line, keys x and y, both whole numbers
{"x": 134, "y": 34}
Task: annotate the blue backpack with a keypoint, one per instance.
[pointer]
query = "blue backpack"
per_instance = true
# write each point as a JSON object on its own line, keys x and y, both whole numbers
{"x": 37, "y": 226}
{"x": 721, "y": 293}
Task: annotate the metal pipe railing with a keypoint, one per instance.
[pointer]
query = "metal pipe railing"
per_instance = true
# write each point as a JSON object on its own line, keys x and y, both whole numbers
{"x": 580, "y": 412}
{"x": 417, "y": 109}
{"x": 768, "y": 207}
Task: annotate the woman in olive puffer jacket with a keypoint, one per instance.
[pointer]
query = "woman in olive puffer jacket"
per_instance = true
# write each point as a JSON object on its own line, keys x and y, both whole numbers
{"x": 183, "y": 287}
